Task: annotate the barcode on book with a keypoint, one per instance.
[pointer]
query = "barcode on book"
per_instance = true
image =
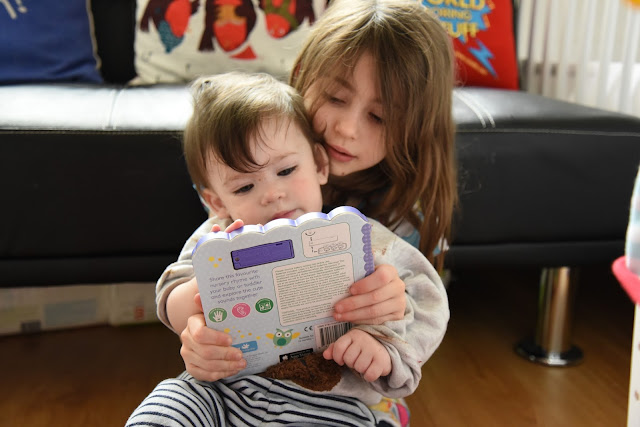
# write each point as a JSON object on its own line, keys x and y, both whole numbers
{"x": 329, "y": 332}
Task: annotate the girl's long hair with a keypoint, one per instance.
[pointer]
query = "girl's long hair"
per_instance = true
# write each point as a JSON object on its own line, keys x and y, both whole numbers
{"x": 413, "y": 54}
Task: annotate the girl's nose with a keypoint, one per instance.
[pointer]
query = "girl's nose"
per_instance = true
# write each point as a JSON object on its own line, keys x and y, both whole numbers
{"x": 347, "y": 124}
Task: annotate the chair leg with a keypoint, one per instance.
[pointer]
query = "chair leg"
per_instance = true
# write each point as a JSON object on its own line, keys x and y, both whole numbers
{"x": 552, "y": 344}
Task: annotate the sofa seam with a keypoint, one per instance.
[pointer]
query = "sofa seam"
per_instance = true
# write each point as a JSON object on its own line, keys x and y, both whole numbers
{"x": 179, "y": 131}
{"x": 478, "y": 115}
{"x": 549, "y": 131}
{"x": 475, "y": 106}
{"x": 114, "y": 100}
{"x": 87, "y": 132}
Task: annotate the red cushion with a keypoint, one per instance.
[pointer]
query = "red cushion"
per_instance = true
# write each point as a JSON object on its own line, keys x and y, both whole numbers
{"x": 484, "y": 41}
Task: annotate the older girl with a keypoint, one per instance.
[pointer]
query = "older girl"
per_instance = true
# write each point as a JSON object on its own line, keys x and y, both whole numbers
{"x": 377, "y": 77}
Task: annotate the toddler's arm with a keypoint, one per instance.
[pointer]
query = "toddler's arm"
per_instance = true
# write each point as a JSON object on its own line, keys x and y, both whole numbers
{"x": 178, "y": 273}
{"x": 207, "y": 353}
{"x": 180, "y": 305}
{"x": 362, "y": 353}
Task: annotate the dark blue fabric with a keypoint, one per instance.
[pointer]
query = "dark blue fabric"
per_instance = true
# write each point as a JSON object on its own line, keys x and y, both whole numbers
{"x": 46, "y": 41}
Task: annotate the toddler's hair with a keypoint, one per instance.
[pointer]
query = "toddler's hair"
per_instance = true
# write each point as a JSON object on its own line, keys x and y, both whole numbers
{"x": 229, "y": 111}
{"x": 413, "y": 57}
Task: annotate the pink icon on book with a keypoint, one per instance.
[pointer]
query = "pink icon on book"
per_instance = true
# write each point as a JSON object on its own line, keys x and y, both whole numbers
{"x": 241, "y": 310}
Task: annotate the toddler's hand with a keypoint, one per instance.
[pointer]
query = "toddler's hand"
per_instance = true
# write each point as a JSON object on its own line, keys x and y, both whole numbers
{"x": 207, "y": 353}
{"x": 374, "y": 299}
{"x": 362, "y": 353}
{"x": 238, "y": 223}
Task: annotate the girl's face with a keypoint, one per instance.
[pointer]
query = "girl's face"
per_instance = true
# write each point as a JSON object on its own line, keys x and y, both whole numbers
{"x": 351, "y": 119}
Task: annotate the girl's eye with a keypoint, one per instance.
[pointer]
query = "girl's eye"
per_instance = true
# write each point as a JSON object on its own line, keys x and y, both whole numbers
{"x": 287, "y": 171}
{"x": 244, "y": 189}
{"x": 333, "y": 99}
{"x": 375, "y": 118}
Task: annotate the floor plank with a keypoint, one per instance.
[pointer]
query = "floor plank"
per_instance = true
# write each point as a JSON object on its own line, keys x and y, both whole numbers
{"x": 96, "y": 376}
{"x": 475, "y": 377}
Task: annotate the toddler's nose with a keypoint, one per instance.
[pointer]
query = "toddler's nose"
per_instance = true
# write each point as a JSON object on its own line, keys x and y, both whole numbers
{"x": 272, "y": 196}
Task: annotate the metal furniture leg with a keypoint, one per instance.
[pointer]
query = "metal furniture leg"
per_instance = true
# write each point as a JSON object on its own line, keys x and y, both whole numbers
{"x": 552, "y": 344}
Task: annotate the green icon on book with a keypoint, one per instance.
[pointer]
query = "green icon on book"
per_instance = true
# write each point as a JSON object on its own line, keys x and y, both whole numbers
{"x": 264, "y": 305}
{"x": 217, "y": 315}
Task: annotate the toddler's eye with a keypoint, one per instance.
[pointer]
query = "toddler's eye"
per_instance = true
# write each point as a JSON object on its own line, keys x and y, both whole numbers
{"x": 287, "y": 171}
{"x": 244, "y": 189}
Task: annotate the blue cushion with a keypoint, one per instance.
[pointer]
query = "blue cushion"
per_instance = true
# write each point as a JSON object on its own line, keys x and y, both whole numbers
{"x": 47, "y": 41}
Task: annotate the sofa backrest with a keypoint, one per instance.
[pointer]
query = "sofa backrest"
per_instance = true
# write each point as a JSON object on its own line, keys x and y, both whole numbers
{"x": 114, "y": 24}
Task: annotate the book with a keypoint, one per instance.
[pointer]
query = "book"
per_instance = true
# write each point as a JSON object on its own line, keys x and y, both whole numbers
{"x": 272, "y": 288}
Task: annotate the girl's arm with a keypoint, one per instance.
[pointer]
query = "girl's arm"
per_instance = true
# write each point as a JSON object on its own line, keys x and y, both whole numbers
{"x": 375, "y": 299}
{"x": 412, "y": 340}
{"x": 379, "y": 297}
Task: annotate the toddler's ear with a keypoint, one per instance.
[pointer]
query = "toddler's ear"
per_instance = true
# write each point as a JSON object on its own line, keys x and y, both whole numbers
{"x": 322, "y": 163}
{"x": 215, "y": 203}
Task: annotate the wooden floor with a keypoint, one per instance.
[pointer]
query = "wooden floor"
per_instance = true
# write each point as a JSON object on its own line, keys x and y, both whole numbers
{"x": 96, "y": 376}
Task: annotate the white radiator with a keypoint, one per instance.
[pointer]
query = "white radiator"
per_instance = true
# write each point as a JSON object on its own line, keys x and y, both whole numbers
{"x": 583, "y": 51}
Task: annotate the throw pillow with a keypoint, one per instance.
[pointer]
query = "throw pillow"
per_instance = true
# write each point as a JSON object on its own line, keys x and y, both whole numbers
{"x": 483, "y": 39}
{"x": 178, "y": 40}
{"x": 46, "y": 42}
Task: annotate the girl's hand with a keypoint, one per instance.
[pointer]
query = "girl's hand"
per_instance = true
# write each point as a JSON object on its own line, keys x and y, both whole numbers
{"x": 375, "y": 299}
{"x": 207, "y": 353}
{"x": 362, "y": 353}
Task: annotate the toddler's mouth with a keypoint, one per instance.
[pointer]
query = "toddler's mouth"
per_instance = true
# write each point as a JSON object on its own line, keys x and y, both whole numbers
{"x": 284, "y": 214}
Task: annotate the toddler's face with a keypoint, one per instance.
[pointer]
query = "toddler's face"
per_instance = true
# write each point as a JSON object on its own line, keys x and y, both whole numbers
{"x": 287, "y": 186}
{"x": 351, "y": 119}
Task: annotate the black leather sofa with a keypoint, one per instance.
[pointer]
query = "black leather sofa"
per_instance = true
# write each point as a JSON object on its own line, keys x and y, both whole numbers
{"x": 95, "y": 190}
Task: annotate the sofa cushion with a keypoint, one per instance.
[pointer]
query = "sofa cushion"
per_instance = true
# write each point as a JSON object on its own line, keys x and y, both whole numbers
{"x": 97, "y": 191}
{"x": 47, "y": 42}
{"x": 179, "y": 40}
{"x": 483, "y": 39}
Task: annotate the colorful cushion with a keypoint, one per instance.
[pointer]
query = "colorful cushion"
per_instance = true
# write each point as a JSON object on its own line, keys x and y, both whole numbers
{"x": 484, "y": 40}
{"x": 178, "y": 40}
{"x": 47, "y": 41}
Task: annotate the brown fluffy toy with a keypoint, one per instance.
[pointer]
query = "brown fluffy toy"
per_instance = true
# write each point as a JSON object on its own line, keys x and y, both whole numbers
{"x": 312, "y": 371}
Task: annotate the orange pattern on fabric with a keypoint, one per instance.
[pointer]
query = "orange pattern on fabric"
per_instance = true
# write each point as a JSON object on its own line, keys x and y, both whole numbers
{"x": 235, "y": 3}
{"x": 177, "y": 15}
{"x": 230, "y": 29}
{"x": 247, "y": 53}
{"x": 277, "y": 25}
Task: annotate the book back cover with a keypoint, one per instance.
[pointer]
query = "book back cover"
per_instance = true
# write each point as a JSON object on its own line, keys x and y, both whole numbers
{"x": 272, "y": 288}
